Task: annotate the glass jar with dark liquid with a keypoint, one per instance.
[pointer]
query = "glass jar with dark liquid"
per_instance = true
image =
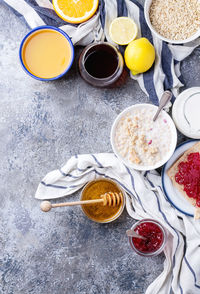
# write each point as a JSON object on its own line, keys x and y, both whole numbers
{"x": 102, "y": 65}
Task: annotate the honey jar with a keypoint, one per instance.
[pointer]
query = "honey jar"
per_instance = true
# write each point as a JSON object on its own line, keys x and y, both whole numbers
{"x": 98, "y": 212}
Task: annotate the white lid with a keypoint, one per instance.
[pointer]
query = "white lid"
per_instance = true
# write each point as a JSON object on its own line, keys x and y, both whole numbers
{"x": 186, "y": 112}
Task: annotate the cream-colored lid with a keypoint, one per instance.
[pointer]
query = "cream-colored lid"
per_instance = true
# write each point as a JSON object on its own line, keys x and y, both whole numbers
{"x": 186, "y": 112}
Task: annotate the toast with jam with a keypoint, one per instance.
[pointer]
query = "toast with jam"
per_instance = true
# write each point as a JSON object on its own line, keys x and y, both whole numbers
{"x": 185, "y": 176}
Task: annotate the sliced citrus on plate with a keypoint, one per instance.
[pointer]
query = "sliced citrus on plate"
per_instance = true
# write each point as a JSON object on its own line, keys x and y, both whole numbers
{"x": 75, "y": 11}
{"x": 123, "y": 30}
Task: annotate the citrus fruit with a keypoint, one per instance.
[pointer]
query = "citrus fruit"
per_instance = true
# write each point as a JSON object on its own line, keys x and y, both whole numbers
{"x": 75, "y": 11}
{"x": 139, "y": 55}
{"x": 123, "y": 30}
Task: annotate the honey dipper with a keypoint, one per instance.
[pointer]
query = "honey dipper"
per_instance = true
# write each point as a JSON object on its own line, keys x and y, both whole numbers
{"x": 110, "y": 199}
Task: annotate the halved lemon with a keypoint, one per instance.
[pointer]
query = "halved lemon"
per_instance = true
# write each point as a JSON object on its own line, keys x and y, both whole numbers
{"x": 75, "y": 11}
{"x": 123, "y": 30}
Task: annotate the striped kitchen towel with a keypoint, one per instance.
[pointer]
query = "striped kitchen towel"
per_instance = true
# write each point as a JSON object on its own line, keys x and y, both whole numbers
{"x": 145, "y": 199}
{"x": 165, "y": 74}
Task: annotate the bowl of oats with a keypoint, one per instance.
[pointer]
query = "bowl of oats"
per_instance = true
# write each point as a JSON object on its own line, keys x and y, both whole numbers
{"x": 141, "y": 143}
{"x": 173, "y": 21}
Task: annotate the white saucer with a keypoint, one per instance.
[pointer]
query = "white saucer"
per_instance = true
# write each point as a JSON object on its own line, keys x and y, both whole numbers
{"x": 179, "y": 112}
{"x": 172, "y": 194}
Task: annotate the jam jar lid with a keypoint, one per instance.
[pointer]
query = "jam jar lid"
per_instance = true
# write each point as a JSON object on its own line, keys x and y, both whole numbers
{"x": 185, "y": 112}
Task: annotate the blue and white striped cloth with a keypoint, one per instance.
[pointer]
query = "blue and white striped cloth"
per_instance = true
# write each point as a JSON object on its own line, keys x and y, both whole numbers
{"x": 165, "y": 74}
{"x": 145, "y": 199}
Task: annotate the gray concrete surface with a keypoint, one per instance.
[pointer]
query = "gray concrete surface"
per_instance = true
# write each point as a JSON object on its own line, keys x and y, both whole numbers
{"x": 41, "y": 126}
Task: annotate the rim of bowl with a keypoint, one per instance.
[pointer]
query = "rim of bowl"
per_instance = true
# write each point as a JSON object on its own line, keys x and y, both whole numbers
{"x": 146, "y": 14}
{"x": 160, "y": 249}
{"x": 120, "y": 210}
{"x": 42, "y": 28}
{"x": 136, "y": 166}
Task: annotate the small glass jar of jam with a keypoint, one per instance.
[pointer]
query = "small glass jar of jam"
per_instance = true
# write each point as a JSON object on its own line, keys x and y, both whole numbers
{"x": 102, "y": 65}
{"x": 155, "y": 236}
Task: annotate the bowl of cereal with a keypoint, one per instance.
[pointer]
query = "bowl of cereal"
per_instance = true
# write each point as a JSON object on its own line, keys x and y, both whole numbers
{"x": 141, "y": 143}
{"x": 173, "y": 22}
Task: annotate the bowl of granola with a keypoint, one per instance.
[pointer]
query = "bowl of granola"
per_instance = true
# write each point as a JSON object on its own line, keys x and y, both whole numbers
{"x": 173, "y": 22}
{"x": 141, "y": 143}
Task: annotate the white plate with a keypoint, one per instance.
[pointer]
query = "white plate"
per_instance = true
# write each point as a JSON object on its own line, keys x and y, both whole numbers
{"x": 179, "y": 115}
{"x": 172, "y": 194}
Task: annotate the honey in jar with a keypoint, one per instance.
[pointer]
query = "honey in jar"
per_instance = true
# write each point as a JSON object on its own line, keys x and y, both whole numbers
{"x": 98, "y": 212}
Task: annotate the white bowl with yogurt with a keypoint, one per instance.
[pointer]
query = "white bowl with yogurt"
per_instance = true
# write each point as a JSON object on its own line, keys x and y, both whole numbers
{"x": 139, "y": 142}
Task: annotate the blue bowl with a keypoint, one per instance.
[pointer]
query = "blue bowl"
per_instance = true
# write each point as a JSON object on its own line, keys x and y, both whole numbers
{"x": 42, "y": 28}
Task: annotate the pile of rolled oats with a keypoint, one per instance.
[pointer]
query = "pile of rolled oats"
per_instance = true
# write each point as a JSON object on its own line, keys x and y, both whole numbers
{"x": 175, "y": 19}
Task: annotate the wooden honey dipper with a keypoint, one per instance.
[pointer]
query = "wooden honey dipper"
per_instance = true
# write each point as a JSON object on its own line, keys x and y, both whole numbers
{"x": 110, "y": 199}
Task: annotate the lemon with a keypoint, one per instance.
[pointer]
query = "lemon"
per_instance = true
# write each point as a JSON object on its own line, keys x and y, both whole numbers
{"x": 123, "y": 30}
{"x": 139, "y": 55}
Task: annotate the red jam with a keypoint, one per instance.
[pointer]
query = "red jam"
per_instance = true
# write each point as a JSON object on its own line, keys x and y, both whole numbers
{"x": 189, "y": 176}
{"x": 152, "y": 233}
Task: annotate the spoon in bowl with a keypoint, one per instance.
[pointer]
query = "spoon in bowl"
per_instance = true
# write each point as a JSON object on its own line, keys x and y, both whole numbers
{"x": 166, "y": 97}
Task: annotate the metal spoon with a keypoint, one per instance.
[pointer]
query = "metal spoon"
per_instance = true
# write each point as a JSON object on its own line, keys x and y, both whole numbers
{"x": 131, "y": 233}
{"x": 166, "y": 97}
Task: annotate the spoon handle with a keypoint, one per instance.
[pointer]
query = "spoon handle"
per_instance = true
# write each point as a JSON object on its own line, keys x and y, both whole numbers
{"x": 166, "y": 97}
{"x": 47, "y": 205}
{"x": 131, "y": 233}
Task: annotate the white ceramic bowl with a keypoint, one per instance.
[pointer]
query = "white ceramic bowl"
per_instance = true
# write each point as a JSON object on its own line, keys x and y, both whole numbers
{"x": 147, "y": 5}
{"x": 137, "y": 166}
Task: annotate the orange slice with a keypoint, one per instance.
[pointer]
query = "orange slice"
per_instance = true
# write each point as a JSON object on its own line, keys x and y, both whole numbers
{"x": 75, "y": 11}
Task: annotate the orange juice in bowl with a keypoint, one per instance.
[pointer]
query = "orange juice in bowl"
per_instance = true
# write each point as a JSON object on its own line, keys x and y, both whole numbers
{"x": 46, "y": 53}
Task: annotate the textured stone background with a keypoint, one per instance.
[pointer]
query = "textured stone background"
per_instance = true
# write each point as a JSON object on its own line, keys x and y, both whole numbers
{"x": 41, "y": 126}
